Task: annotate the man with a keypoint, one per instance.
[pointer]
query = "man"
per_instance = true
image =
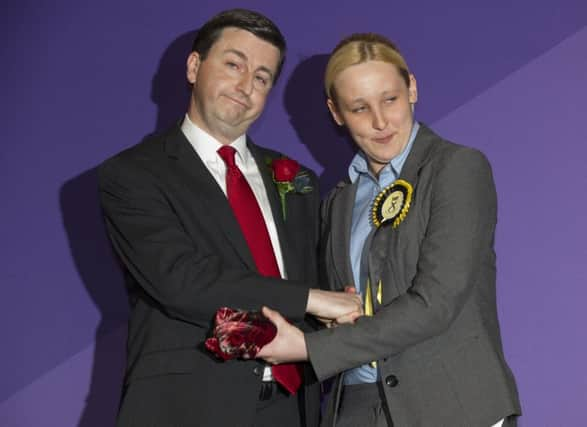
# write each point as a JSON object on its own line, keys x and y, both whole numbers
{"x": 199, "y": 224}
{"x": 413, "y": 228}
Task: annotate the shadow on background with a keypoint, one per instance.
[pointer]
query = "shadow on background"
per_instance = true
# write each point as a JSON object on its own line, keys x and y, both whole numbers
{"x": 102, "y": 279}
{"x": 305, "y": 103}
{"x": 170, "y": 90}
{"x": 96, "y": 264}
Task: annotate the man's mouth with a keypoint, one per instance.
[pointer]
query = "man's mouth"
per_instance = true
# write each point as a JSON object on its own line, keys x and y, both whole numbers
{"x": 238, "y": 101}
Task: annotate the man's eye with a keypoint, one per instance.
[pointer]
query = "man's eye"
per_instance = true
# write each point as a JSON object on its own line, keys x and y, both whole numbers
{"x": 390, "y": 99}
{"x": 359, "y": 109}
{"x": 262, "y": 80}
{"x": 232, "y": 65}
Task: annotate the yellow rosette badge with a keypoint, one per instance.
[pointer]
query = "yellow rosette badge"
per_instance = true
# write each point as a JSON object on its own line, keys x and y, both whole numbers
{"x": 392, "y": 204}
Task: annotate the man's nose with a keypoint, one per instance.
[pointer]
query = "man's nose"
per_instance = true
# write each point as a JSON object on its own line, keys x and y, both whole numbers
{"x": 245, "y": 83}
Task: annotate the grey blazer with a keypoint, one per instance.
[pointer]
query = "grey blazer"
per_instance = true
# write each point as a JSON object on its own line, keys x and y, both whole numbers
{"x": 435, "y": 334}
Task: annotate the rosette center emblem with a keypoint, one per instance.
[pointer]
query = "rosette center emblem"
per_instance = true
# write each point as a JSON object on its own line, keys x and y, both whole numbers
{"x": 392, "y": 204}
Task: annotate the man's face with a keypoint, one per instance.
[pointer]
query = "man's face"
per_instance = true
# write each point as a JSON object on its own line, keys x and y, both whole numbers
{"x": 231, "y": 85}
{"x": 375, "y": 104}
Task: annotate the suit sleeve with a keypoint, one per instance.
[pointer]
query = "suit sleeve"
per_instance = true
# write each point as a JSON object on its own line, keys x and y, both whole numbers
{"x": 457, "y": 239}
{"x": 187, "y": 279}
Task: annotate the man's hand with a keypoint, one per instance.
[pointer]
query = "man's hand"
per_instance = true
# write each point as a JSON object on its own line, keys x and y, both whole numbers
{"x": 331, "y": 305}
{"x": 287, "y": 346}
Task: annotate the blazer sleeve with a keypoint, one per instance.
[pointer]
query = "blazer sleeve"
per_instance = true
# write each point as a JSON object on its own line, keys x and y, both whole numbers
{"x": 187, "y": 279}
{"x": 457, "y": 238}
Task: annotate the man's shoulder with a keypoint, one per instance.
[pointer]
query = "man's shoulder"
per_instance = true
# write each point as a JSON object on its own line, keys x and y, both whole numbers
{"x": 150, "y": 147}
{"x": 149, "y": 151}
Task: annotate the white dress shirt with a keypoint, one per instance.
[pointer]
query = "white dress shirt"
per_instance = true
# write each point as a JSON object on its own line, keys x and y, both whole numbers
{"x": 206, "y": 147}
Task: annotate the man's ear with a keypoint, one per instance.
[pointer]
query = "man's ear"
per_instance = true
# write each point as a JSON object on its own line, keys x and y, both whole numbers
{"x": 334, "y": 111}
{"x": 192, "y": 66}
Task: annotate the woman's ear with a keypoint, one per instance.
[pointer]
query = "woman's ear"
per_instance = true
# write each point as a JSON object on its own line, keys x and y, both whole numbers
{"x": 413, "y": 90}
{"x": 334, "y": 111}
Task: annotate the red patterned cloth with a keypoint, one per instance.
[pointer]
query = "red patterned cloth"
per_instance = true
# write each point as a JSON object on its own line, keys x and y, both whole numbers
{"x": 239, "y": 334}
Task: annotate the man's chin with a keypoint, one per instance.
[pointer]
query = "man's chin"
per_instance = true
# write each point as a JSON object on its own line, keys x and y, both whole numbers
{"x": 237, "y": 123}
{"x": 232, "y": 130}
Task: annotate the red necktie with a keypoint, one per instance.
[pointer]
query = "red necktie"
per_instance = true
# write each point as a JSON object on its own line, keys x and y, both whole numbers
{"x": 250, "y": 218}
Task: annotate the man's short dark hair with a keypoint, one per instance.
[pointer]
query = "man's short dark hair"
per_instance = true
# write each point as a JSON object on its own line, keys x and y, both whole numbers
{"x": 248, "y": 20}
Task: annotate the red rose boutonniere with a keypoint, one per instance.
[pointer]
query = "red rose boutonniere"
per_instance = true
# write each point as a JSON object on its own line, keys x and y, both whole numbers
{"x": 288, "y": 178}
{"x": 284, "y": 169}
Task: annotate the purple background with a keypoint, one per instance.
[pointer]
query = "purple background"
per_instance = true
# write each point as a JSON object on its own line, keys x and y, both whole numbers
{"x": 82, "y": 80}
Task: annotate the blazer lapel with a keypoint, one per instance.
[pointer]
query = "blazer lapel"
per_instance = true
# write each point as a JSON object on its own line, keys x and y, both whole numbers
{"x": 420, "y": 152}
{"x": 204, "y": 187}
{"x": 342, "y": 215}
{"x": 290, "y": 261}
{"x": 386, "y": 244}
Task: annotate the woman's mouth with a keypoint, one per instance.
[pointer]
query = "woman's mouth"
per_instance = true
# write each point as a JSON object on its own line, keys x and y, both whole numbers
{"x": 383, "y": 139}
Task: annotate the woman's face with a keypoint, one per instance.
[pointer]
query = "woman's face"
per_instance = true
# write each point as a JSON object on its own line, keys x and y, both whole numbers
{"x": 374, "y": 103}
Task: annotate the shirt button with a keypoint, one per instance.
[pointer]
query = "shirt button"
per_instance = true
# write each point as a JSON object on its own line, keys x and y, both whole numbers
{"x": 391, "y": 381}
{"x": 257, "y": 371}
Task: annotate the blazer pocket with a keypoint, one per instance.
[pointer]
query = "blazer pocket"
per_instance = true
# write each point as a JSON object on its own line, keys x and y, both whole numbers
{"x": 425, "y": 395}
{"x": 476, "y": 375}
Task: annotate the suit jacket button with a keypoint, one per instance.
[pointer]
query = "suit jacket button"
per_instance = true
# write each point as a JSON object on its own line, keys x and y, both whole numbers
{"x": 257, "y": 371}
{"x": 391, "y": 380}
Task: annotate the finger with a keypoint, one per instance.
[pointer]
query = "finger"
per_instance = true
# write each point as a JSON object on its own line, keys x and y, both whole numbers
{"x": 266, "y": 356}
{"x": 264, "y": 353}
{"x": 348, "y": 318}
{"x": 361, "y": 310}
{"x": 350, "y": 289}
{"x": 324, "y": 320}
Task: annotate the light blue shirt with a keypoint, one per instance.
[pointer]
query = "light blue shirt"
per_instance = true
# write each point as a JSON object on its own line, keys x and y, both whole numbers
{"x": 368, "y": 188}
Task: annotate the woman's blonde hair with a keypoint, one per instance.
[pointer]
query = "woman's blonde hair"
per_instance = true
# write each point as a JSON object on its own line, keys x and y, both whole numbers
{"x": 359, "y": 48}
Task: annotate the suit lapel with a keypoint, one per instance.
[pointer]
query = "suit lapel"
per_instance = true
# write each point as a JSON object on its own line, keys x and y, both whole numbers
{"x": 342, "y": 215}
{"x": 290, "y": 261}
{"x": 204, "y": 187}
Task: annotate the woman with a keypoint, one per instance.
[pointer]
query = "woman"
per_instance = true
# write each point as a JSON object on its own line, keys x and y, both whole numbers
{"x": 413, "y": 229}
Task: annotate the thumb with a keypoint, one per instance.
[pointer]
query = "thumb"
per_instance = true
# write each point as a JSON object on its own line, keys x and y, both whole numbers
{"x": 273, "y": 316}
{"x": 350, "y": 289}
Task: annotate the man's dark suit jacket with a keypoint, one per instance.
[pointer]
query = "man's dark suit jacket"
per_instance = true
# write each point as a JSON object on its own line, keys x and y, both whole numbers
{"x": 436, "y": 334}
{"x": 184, "y": 257}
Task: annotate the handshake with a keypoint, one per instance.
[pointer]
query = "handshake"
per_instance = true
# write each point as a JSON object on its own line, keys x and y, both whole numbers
{"x": 335, "y": 308}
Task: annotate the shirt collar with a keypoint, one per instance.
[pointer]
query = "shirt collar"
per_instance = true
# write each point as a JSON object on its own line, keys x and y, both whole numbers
{"x": 359, "y": 165}
{"x": 207, "y": 146}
